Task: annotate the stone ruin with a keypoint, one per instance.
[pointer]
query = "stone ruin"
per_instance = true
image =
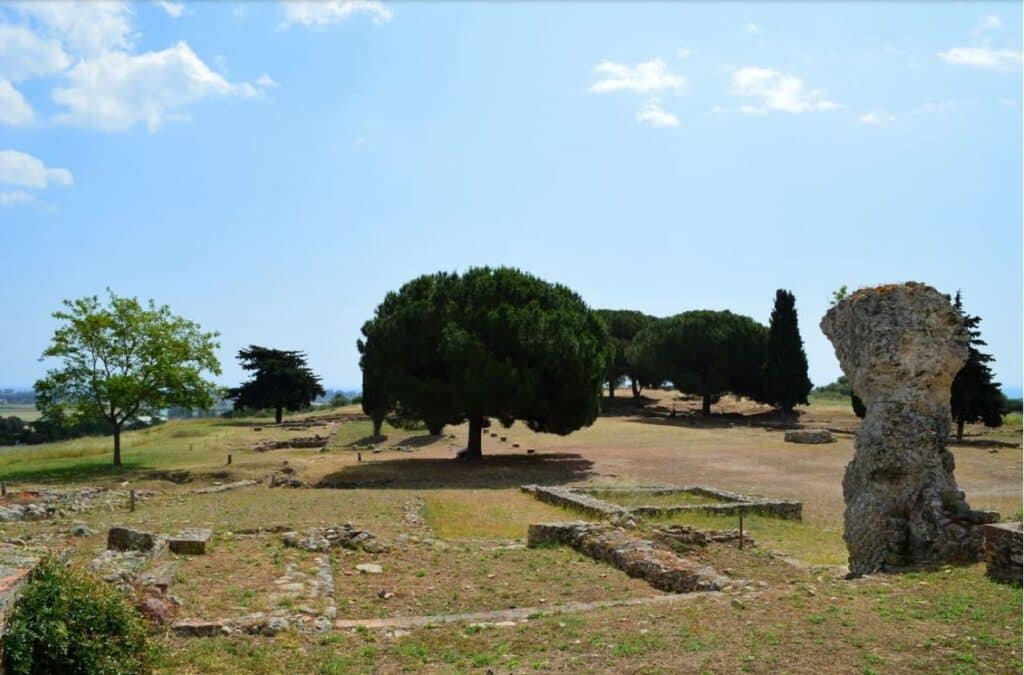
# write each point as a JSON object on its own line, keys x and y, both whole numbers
{"x": 901, "y": 346}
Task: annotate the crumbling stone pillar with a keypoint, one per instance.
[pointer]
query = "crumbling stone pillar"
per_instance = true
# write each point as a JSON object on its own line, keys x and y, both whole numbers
{"x": 901, "y": 346}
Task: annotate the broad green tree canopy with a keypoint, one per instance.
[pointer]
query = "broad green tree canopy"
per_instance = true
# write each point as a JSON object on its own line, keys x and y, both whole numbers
{"x": 704, "y": 352}
{"x": 123, "y": 359}
{"x": 489, "y": 343}
{"x": 623, "y": 325}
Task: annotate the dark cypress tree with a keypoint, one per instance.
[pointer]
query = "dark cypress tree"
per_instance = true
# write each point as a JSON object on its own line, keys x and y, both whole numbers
{"x": 785, "y": 370}
{"x": 974, "y": 396}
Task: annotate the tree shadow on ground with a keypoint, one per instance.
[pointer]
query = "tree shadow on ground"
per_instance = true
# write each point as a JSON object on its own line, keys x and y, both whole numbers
{"x": 771, "y": 420}
{"x": 72, "y": 473}
{"x": 983, "y": 443}
{"x": 625, "y": 406}
{"x": 492, "y": 471}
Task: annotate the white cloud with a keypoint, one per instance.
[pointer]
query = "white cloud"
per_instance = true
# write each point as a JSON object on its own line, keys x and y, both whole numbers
{"x": 115, "y": 91}
{"x": 265, "y": 81}
{"x": 777, "y": 91}
{"x": 718, "y": 110}
{"x": 653, "y": 115}
{"x": 24, "y": 170}
{"x": 982, "y": 57}
{"x": 173, "y": 9}
{"x": 12, "y": 197}
{"x": 85, "y": 28}
{"x": 14, "y": 109}
{"x": 989, "y": 22}
{"x": 684, "y": 53}
{"x": 877, "y": 117}
{"x": 23, "y": 54}
{"x": 326, "y": 12}
{"x": 753, "y": 29}
{"x": 645, "y": 78}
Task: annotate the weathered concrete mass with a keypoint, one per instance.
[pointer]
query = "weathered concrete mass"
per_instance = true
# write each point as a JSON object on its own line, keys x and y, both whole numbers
{"x": 901, "y": 346}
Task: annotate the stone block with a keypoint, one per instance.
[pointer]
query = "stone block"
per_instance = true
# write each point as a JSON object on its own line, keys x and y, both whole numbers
{"x": 190, "y": 541}
{"x": 812, "y": 436}
{"x": 1003, "y": 550}
{"x": 121, "y": 538}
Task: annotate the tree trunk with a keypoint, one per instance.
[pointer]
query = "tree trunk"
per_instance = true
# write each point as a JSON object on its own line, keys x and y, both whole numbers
{"x": 378, "y": 422}
{"x": 705, "y": 406}
{"x": 278, "y": 411}
{"x": 960, "y": 430}
{"x": 636, "y": 388}
{"x": 117, "y": 445}
{"x": 473, "y": 448}
{"x": 611, "y": 388}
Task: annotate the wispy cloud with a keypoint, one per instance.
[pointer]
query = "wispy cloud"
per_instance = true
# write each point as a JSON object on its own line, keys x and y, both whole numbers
{"x": 777, "y": 91}
{"x": 318, "y": 13}
{"x": 982, "y": 57}
{"x": 879, "y": 117}
{"x": 684, "y": 53}
{"x": 645, "y": 78}
{"x": 753, "y": 29}
{"x": 14, "y": 109}
{"x": 13, "y": 197}
{"x": 173, "y": 9}
{"x": 653, "y": 115}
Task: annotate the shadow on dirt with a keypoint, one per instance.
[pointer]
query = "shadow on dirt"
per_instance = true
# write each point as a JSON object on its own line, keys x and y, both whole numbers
{"x": 492, "y": 471}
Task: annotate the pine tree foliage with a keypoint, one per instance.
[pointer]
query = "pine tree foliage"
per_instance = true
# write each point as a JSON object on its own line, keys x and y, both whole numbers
{"x": 281, "y": 380}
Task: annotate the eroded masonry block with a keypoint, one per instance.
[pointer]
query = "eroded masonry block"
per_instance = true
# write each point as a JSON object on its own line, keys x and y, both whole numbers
{"x": 125, "y": 539}
{"x": 190, "y": 541}
{"x": 1003, "y": 544}
{"x": 901, "y": 346}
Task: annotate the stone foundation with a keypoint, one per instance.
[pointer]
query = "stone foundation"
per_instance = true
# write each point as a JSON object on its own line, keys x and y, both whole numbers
{"x": 641, "y": 558}
{"x": 1003, "y": 552}
{"x": 731, "y": 503}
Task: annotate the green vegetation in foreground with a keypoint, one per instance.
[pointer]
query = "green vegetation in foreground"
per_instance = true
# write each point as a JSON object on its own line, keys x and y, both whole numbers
{"x": 815, "y": 545}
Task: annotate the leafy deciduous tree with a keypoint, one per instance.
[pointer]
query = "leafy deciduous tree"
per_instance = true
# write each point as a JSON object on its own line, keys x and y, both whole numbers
{"x": 123, "y": 360}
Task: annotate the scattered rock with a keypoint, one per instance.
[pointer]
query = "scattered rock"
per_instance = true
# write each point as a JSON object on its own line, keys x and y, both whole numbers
{"x": 809, "y": 436}
{"x": 82, "y": 530}
{"x": 369, "y": 568}
{"x": 158, "y": 610}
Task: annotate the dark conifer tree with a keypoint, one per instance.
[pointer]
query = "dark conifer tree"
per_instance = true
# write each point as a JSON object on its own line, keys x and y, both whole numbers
{"x": 785, "y": 370}
{"x": 974, "y": 396}
{"x": 281, "y": 380}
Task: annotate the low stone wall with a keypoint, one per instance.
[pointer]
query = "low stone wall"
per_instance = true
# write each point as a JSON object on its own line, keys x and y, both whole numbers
{"x": 641, "y": 558}
{"x": 731, "y": 503}
{"x": 46, "y": 504}
{"x": 1003, "y": 551}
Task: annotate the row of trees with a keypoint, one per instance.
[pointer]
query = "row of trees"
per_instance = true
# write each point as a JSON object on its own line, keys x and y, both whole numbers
{"x": 708, "y": 353}
{"x": 445, "y": 348}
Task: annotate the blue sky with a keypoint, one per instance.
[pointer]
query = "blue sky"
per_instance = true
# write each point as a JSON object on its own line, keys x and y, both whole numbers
{"x": 272, "y": 170}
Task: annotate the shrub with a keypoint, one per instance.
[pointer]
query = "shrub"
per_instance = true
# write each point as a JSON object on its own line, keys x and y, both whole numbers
{"x": 69, "y": 621}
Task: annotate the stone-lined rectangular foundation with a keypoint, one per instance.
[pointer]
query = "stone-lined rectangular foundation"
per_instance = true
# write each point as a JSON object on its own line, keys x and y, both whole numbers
{"x": 642, "y": 558}
{"x": 727, "y": 503}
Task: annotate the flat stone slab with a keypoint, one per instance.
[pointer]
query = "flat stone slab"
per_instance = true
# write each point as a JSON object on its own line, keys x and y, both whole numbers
{"x": 224, "y": 488}
{"x": 190, "y": 541}
{"x": 121, "y": 538}
{"x": 370, "y": 568}
{"x": 812, "y": 436}
{"x": 198, "y": 628}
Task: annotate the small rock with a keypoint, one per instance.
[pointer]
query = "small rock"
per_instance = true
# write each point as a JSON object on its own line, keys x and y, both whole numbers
{"x": 369, "y": 568}
{"x": 737, "y": 603}
{"x": 277, "y": 624}
{"x": 82, "y": 530}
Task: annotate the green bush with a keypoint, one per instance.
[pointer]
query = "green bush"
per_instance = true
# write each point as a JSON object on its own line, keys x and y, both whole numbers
{"x": 69, "y": 621}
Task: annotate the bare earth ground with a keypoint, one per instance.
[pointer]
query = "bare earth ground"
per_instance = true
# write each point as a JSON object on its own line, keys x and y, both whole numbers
{"x": 467, "y": 554}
